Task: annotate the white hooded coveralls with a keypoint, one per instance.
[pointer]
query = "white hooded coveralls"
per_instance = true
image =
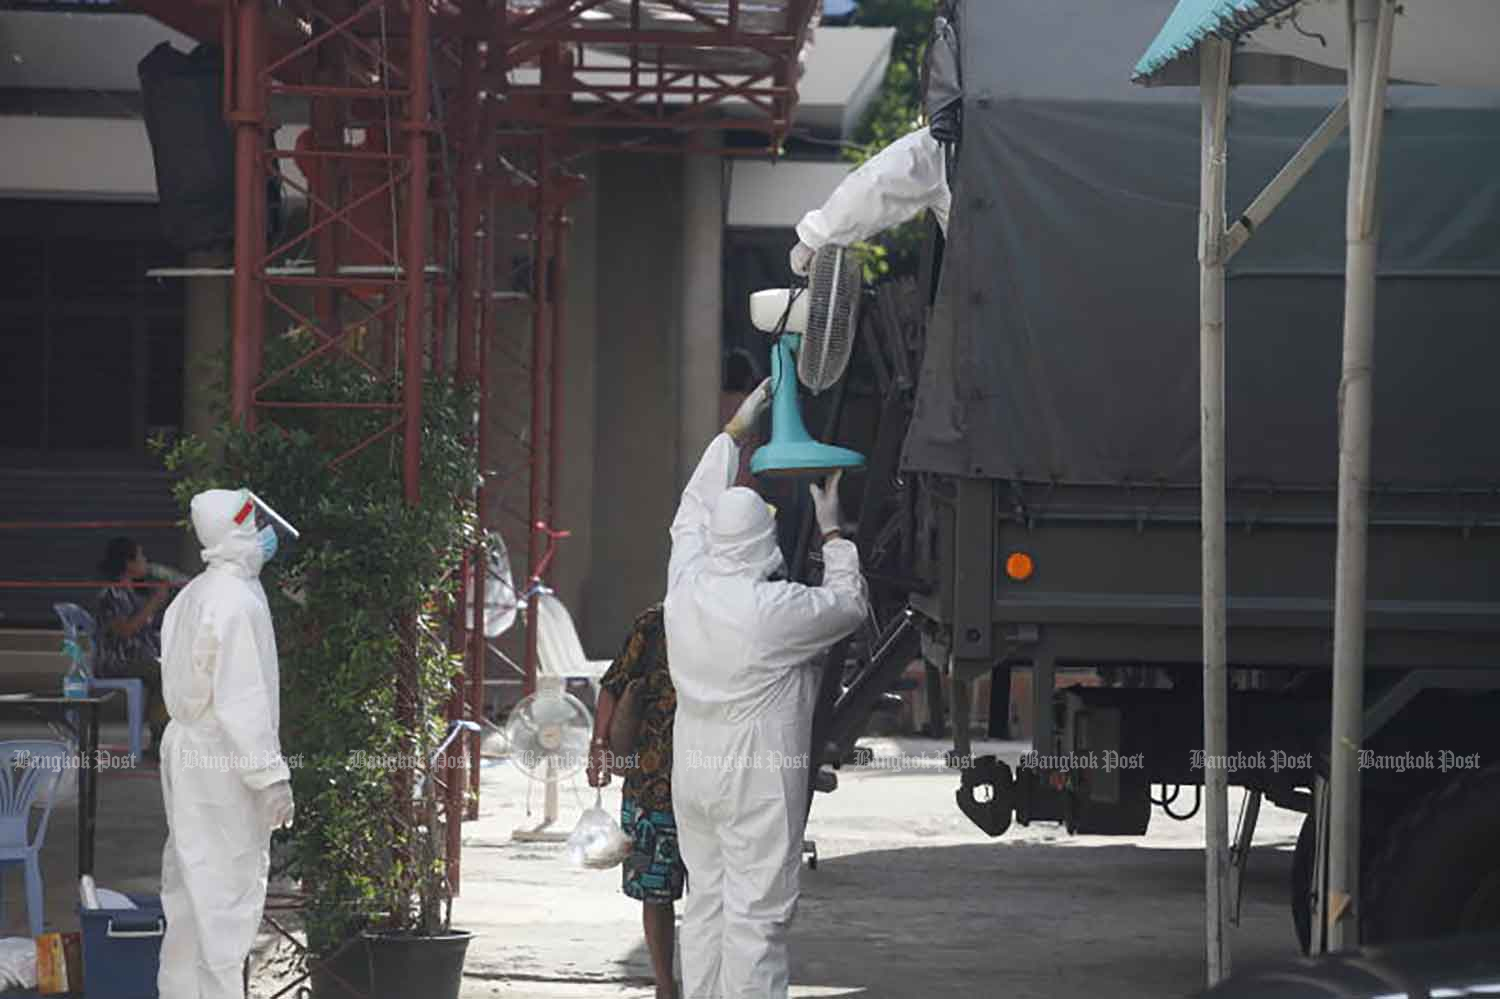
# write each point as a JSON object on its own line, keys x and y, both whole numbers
{"x": 742, "y": 652}
{"x": 903, "y": 179}
{"x": 219, "y": 755}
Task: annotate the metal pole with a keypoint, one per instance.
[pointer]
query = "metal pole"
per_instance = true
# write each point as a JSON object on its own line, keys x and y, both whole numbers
{"x": 455, "y": 776}
{"x": 248, "y": 117}
{"x": 540, "y": 250}
{"x": 1356, "y": 405}
{"x": 470, "y": 165}
{"x": 1215, "y": 61}
{"x": 415, "y": 262}
{"x": 555, "y": 399}
{"x": 480, "y": 652}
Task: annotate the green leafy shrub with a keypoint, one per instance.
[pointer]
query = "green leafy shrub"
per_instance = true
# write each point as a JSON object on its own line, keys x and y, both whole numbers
{"x": 361, "y": 603}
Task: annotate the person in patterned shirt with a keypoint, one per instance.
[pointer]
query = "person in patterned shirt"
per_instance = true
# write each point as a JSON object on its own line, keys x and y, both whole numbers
{"x": 653, "y": 873}
{"x": 129, "y": 636}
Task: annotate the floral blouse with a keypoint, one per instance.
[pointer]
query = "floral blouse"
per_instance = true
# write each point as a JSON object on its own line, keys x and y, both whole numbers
{"x": 645, "y": 656}
{"x": 117, "y": 655}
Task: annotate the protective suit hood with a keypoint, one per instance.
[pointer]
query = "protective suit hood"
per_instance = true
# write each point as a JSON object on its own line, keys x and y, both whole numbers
{"x": 224, "y": 521}
{"x": 742, "y": 535}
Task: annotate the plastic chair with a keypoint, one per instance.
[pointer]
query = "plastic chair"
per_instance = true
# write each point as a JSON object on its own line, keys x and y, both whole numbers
{"x": 29, "y": 769}
{"x": 78, "y": 624}
{"x": 559, "y": 653}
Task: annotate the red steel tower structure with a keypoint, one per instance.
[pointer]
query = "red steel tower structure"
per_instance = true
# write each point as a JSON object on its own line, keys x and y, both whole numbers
{"x": 440, "y": 137}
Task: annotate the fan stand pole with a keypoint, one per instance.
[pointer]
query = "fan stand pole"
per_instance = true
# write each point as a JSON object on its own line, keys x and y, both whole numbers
{"x": 543, "y": 831}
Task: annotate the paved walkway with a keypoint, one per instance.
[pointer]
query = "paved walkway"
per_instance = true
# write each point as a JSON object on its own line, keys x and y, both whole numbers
{"x": 908, "y": 898}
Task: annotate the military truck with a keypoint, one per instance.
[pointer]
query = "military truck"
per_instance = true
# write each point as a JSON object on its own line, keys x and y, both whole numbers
{"x": 1033, "y": 504}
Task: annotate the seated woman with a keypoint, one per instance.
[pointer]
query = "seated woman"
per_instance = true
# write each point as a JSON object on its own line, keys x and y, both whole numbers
{"x": 129, "y": 638}
{"x": 654, "y": 873}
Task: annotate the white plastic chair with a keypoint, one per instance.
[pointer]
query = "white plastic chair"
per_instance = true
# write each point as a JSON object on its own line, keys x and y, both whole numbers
{"x": 79, "y": 624}
{"x": 559, "y": 653}
{"x": 29, "y": 771}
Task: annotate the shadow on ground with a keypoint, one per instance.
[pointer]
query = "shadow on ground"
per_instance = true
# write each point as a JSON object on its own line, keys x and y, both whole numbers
{"x": 1022, "y": 920}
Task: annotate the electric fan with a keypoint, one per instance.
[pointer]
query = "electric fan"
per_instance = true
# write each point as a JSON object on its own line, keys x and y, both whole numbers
{"x": 817, "y": 326}
{"x": 548, "y": 733}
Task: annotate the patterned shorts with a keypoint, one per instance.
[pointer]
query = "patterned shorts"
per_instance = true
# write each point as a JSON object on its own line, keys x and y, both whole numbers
{"x": 653, "y": 871}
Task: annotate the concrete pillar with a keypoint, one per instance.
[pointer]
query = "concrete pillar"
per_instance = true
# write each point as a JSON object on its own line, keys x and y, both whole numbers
{"x": 638, "y": 387}
{"x": 701, "y": 309}
{"x": 205, "y": 355}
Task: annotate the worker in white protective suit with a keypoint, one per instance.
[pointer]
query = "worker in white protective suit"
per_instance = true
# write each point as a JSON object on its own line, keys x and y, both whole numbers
{"x": 743, "y": 649}
{"x": 902, "y": 180}
{"x": 225, "y": 784}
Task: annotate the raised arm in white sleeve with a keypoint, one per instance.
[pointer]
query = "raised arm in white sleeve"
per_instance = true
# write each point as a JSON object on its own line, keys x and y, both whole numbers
{"x": 799, "y": 622}
{"x": 902, "y": 180}
{"x": 715, "y": 473}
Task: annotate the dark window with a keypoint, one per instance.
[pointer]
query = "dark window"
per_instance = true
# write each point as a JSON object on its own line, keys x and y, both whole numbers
{"x": 90, "y": 347}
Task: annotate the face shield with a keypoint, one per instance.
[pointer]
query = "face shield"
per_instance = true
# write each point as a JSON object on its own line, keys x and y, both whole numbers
{"x": 274, "y": 533}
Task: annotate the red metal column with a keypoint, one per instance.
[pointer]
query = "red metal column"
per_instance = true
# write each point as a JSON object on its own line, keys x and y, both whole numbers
{"x": 415, "y": 256}
{"x": 555, "y": 400}
{"x": 475, "y": 568}
{"x": 539, "y": 331}
{"x": 469, "y": 167}
{"x": 480, "y": 652}
{"x": 248, "y": 117}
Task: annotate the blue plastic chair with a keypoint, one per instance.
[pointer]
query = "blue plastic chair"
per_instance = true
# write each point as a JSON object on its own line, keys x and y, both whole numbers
{"x": 79, "y": 626}
{"x": 29, "y": 769}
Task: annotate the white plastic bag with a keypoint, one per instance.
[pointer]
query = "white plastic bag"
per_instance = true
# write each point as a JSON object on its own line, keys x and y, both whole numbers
{"x": 597, "y": 841}
{"x": 17, "y": 963}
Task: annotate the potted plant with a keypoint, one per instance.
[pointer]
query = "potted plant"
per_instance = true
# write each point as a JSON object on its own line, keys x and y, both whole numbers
{"x": 365, "y": 677}
{"x": 415, "y": 952}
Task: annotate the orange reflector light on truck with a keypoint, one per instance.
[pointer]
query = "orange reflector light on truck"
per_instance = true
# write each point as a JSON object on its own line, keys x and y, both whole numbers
{"x": 1019, "y": 566}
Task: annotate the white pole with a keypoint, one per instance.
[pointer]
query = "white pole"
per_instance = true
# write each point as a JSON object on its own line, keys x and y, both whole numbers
{"x": 1214, "y": 56}
{"x": 1371, "y": 28}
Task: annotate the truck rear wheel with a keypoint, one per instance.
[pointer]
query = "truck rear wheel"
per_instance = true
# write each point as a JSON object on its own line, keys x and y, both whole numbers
{"x": 1438, "y": 871}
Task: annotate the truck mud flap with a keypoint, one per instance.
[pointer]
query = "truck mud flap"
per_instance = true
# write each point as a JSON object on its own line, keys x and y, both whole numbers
{"x": 993, "y": 815}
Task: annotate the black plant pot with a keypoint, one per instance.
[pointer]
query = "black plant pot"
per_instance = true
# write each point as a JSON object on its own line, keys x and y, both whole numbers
{"x": 352, "y": 966}
{"x": 405, "y": 966}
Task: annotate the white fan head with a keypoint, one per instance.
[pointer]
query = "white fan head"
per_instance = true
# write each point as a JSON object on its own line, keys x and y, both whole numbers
{"x": 548, "y": 733}
{"x": 825, "y": 316}
{"x": 767, "y": 307}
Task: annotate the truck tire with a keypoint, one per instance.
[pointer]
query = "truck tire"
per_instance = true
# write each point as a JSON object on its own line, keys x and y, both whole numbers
{"x": 1438, "y": 872}
{"x": 1302, "y": 872}
{"x": 1377, "y": 812}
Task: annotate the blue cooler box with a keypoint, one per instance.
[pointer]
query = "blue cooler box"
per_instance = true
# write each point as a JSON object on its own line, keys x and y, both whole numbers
{"x": 122, "y": 949}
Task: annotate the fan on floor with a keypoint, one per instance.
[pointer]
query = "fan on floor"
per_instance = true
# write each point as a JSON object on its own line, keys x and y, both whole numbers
{"x": 548, "y": 735}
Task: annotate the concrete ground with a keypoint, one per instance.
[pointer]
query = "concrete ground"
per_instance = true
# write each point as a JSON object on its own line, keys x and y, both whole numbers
{"x": 908, "y": 898}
